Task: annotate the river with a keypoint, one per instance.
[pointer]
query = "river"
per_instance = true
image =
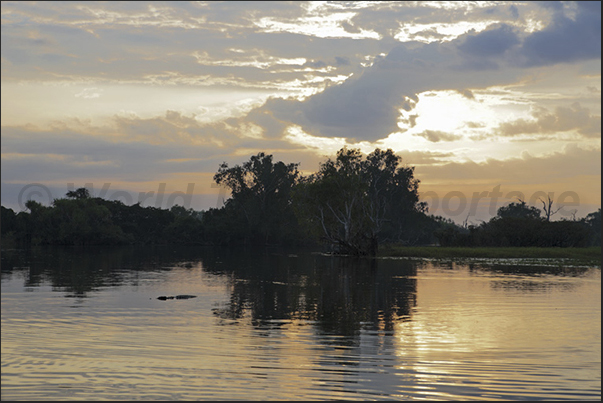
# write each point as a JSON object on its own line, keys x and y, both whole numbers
{"x": 293, "y": 324}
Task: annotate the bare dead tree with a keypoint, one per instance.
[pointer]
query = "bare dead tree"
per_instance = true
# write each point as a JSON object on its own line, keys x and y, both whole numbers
{"x": 547, "y": 206}
{"x": 465, "y": 222}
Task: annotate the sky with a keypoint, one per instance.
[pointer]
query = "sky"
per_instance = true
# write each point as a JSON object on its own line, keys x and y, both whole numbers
{"x": 490, "y": 101}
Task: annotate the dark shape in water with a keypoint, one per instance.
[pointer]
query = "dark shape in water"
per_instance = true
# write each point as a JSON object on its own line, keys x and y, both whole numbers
{"x": 183, "y": 296}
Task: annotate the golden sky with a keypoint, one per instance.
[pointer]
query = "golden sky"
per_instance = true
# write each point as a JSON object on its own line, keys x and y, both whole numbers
{"x": 481, "y": 97}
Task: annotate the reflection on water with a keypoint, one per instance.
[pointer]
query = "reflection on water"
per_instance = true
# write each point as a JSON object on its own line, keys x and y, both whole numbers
{"x": 280, "y": 324}
{"x": 82, "y": 270}
{"x": 341, "y": 295}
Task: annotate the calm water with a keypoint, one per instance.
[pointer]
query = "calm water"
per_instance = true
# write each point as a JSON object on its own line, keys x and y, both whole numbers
{"x": 86, "y": 324}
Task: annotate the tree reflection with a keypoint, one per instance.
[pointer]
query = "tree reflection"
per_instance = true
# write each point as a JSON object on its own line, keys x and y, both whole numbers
{"x": 81, "y": 270}
{"x": 343, "y": 295}
{"x": 340, "y": 296}
{"x": 531, "y": 278}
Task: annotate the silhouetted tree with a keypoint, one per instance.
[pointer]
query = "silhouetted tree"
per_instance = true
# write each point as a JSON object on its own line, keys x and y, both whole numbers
{"x": 547, "y": 207}
{"x": 519, "y": 210}
{"x": 593, "y": 221}
{"x": 80, "y": 193}
{"x": 352, "y": 200}
{"x": 520, "y": 225}
{"x": 83, "y": 220}
{"x": 260, "y": 197}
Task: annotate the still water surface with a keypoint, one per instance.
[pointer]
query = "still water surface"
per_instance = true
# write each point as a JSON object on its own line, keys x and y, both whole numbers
{"x": 86, "y": 324}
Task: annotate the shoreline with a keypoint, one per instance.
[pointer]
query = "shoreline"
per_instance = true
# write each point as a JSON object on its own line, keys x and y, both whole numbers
{"x": 591, "y": 254}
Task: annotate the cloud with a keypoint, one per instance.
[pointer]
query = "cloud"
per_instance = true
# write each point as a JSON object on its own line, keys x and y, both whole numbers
{"x": 123, "y": 42}
{"x": 117, "y": 42}
{"x": 466, "y": 93}
{"x": 133, "y": 148}
{"x": 555, "y": 167}
{"x": 436, "y": 136}
{"x": 566, "y": 39}
{"x": 563, "y": 119}
{"x": 475, "y": 125}
{"x": 365, "y": 109}
{"x": 494, "y": 41}
{"x": 342, "y": 61}
{"x": 367, "y": 106}
{"x": 313, "y": 65}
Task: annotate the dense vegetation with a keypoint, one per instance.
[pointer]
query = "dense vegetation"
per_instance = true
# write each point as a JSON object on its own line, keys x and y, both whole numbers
{"x": 352, "y": 204}
{"x": 518, "y": 224}
{"x": 80, "y": 219}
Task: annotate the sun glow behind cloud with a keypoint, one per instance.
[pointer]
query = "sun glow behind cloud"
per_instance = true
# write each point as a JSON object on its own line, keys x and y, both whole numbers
{"x": 446, "y": 121}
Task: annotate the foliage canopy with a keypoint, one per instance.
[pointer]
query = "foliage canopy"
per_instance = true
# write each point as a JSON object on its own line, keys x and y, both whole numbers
{"x": 353, "y": 200}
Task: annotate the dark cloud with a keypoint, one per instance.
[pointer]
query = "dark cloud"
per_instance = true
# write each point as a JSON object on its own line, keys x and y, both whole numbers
{"x": 365, "y": 109}
{"x": 276, "y": 115}
{"x": 571, "y": 36}
{"x": 566, "y": 39}
{"x": 367, "y": 106}
{"x": 476, "y": 64}
{"x": 342, "y": 61}
{"x": 494, "y": 41}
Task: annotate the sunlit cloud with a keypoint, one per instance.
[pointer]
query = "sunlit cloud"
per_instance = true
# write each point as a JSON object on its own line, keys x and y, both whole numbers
{"x": 319, "y": 24}
{"x": 436, "y": 136}
{"x": 563, "y": 119}
{"x": 259, "y": 60}
{"x": 438, "y": 31}
{"x": 326, "y": 145}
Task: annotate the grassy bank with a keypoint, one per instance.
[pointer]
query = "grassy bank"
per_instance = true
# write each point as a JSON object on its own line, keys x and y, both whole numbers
{"x": 437, "y": 252}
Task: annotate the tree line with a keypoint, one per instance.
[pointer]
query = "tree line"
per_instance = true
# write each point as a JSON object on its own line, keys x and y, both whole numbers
{"x": 351, "y": 204}
{"x": 519, "y": 224}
